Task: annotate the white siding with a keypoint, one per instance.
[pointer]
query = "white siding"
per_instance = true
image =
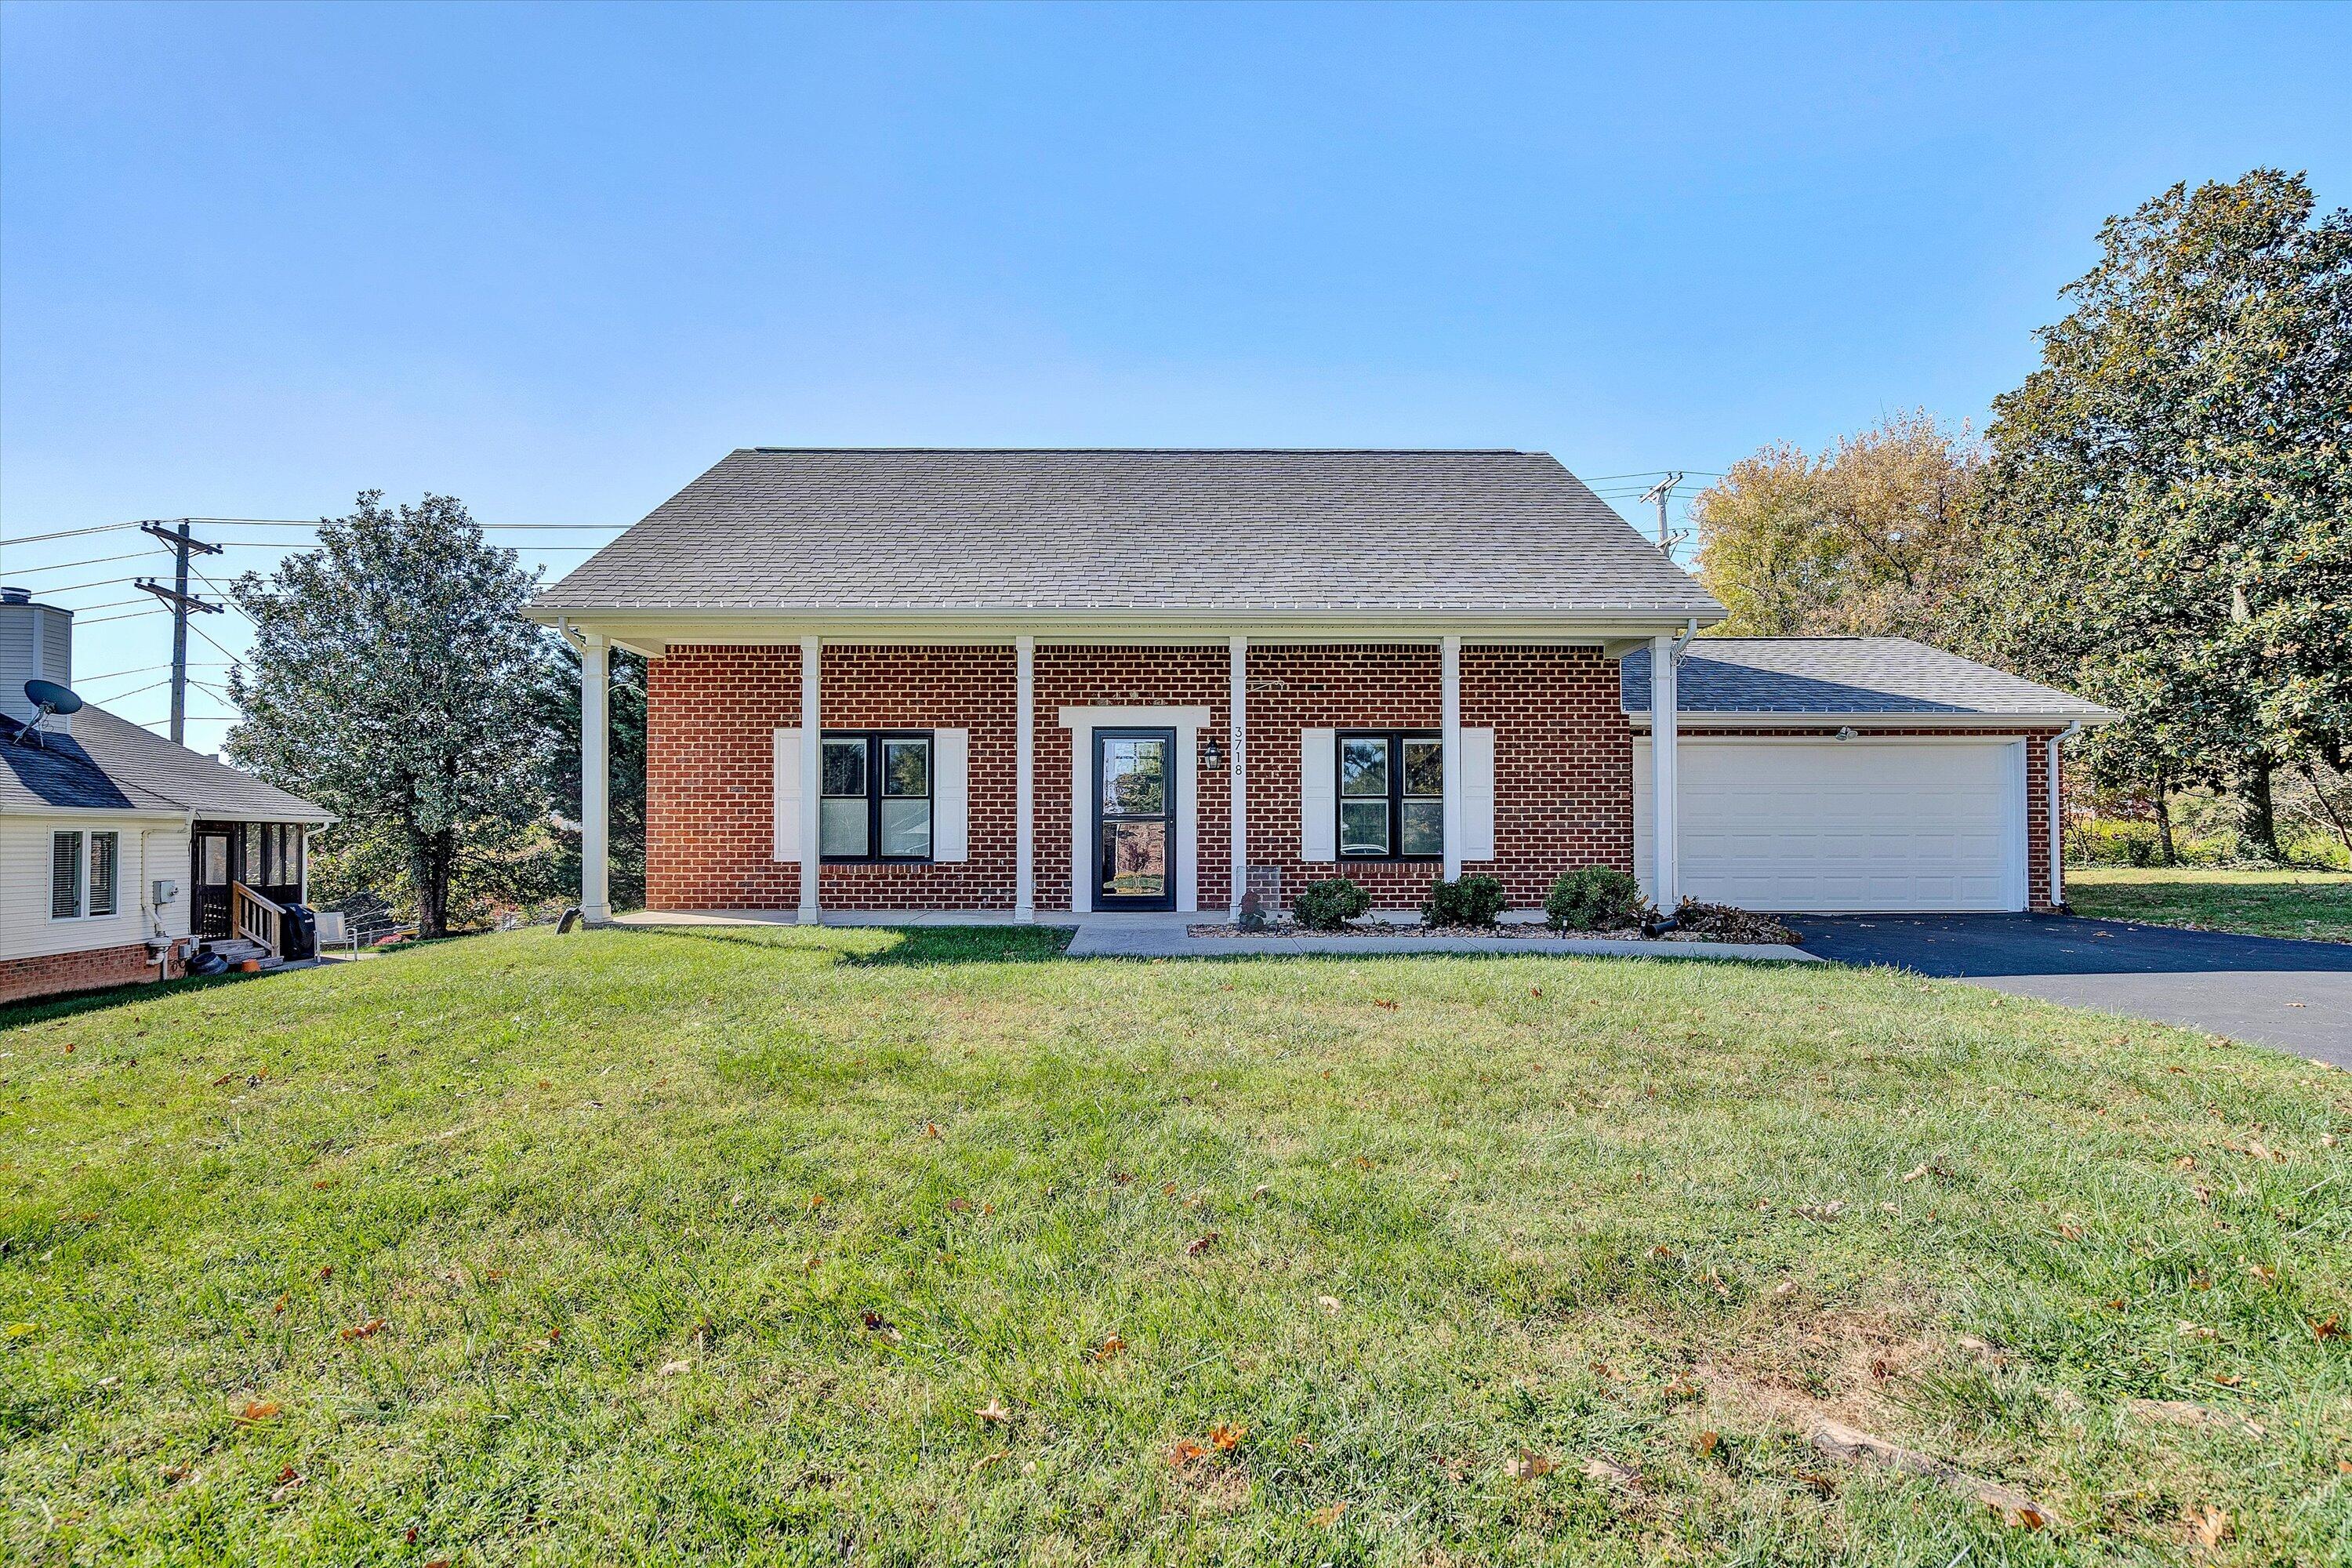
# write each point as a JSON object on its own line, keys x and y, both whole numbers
{"x": 26, "y": 928}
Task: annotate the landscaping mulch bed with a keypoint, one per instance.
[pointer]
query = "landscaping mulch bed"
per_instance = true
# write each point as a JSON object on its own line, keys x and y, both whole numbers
{"x": 1528, "y": 932}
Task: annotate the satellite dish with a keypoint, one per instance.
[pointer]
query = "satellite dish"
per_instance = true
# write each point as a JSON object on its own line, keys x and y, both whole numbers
{"x": 51, "y": 698}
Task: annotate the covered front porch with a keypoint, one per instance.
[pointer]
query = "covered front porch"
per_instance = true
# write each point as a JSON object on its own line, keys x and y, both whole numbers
{"x": 1085, "y": 767}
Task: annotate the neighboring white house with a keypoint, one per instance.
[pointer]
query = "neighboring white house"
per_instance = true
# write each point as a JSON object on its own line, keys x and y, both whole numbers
{"x": 120, "y": 852}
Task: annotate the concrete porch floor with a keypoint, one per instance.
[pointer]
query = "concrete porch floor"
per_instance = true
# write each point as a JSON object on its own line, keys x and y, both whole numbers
{"x": 1165, "y": 935}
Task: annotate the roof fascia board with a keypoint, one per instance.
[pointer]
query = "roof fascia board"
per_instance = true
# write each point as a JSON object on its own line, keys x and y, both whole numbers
{"x": 133, "y": 813}
{"x": 656, "y": 631}
{"x": 1782, "y": 721}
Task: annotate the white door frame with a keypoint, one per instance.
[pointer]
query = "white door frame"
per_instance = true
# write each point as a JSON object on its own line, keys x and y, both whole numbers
{"x": 1082, "y": 723}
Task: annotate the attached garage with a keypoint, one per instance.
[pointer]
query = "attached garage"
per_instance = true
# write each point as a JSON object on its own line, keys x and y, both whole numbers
{"x": 1824, "y": 775}
{"x": 1817, "y": 824}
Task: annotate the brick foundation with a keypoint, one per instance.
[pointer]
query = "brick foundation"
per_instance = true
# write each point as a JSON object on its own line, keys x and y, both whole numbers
{"x": 1563, "y": 763}
{"x": 58, "y": 973}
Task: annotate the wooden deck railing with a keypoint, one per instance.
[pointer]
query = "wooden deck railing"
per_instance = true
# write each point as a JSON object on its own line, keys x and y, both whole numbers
{"x": 254, "y": 917}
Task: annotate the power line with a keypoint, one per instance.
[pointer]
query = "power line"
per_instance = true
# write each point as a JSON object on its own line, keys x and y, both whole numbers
{"x": 69, "y": 565}
{"x": 101, "y": 620}
{"x": 299, "y": 522}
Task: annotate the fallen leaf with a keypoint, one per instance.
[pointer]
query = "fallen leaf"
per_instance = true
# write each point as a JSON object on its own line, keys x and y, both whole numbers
{"x": 1112, "y": 1344}
{"x": 2263, "y": 1272}
{"x": 1684, "y": 1388}
{"x": 958, "y": 1204}
{"x": 2208, "y": 1527}
{"x": 1879, "y": 1369}
{"x": 930, "y": 1130}
{"x": 289, "y": 1481}
{"x": 993, "y": 1412}
{"x": 259, "y": 1410}
{"x": 326, "y": 1271}
{"x": 1601, "y": 1469}
{"x": 1121, "y": 1178}
{"x": 1825, "y": 1484}
{"x": 2228, "y": 1379}
{"x": 2189, "y": 1331}
{"x": 1303, "y": 1443}
{"x": 364, "y": 1330}
{"x": 1200, "y": 1243}
{"x": 280, "y": 1308}
{"x": 816, "y": 1201}
{"x": 1329, "y": 1303}
{"x": 2069, "y": 1231}
{"x": 1184, "y": 1453}
{"x": 1326, "y": 1517}
{"x": 1377, "y": 1001}
{"x": 1785, "y": 1287}
{"x": 2328, "y": 1328}
{"x": 1707, "y": 1443}
{"x": 672, "y": 1368}
{"x": 986, "y": 1460}
{"x": 178, "y": 1473}
{"x": 1527, "y": 1466}
{"x": 1227, "y": 1437}
{"x": 1914, "y": 1173}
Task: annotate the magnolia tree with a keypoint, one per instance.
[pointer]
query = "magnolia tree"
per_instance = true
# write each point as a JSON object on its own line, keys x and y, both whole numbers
{"x": 2169, "y": 497}
{"x": 392, "y": 678}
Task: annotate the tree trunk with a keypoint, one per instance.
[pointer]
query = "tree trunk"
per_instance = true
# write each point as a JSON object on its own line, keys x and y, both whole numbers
{"x": 2257, "y": 822}
{"x": 2329, "y": 807}
{"x": 2164, "y": 843}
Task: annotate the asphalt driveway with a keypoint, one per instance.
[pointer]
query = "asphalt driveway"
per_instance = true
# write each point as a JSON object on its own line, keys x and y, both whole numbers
{"x": 2295, "y": 995}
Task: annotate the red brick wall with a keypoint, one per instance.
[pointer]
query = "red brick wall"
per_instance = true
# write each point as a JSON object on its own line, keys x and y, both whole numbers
{"x": 58, "y": 973}
{"x": 711, "y": 714}
{"x": 2037, "y": 791}
{"x": 1563, "y": 762}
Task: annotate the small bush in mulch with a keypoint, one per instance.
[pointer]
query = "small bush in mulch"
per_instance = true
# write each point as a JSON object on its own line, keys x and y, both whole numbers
{"x": 1331, "y": 904}
{"x": 1474, "y": 901}
{"x": 1253, "y": 914}
{"x": 1594, "y": 897}
{"x": 1726, "y": 923}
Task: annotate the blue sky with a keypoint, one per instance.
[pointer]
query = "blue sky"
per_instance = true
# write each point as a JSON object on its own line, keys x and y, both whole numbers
{"x": 556, "y": 261}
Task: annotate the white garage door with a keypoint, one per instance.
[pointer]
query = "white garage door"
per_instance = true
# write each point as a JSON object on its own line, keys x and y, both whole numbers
{"x": 1821, "y": 825}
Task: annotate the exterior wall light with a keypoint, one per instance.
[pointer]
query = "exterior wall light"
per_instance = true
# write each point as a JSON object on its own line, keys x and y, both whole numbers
{"x": 1212, "y": 755}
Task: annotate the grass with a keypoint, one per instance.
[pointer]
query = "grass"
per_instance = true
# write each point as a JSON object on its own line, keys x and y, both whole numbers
{"x": 734, "y": 1246}
{"x": 2315, "y": 905}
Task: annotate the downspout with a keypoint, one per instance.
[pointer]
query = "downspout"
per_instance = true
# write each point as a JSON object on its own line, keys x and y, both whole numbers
{"x": 1682, "y": 645}
{"x": 2057, "y": 828}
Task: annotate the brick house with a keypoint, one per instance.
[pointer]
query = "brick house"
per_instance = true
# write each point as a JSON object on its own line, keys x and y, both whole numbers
{"x": 1039, "y": 683}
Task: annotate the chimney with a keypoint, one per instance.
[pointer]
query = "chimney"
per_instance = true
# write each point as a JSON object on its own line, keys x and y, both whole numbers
{"x": 36, "y": 644}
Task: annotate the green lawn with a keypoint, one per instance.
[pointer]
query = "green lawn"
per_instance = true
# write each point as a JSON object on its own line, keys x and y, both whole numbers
{"x": 866, "y": 1247}
{"x": 2312, "y": 904}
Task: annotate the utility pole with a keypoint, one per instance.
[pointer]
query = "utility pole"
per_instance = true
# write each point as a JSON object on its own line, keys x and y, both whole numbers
{"x": 179, "y": 543}
{"x": 1658, "y": 493}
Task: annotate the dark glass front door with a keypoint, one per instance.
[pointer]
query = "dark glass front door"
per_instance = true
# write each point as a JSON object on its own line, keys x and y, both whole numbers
{"x": 1135, "y": 819}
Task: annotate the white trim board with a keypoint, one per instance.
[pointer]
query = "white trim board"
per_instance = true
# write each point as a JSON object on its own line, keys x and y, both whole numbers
{"x": 1082, "y": 723}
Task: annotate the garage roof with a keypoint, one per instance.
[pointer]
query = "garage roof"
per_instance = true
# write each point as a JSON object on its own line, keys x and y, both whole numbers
{"x": 1848, "y": 677}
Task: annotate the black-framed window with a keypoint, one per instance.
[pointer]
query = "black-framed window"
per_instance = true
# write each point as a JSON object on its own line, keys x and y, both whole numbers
{"x": 877, "y": 802}
{"x": 1391, "y": 795}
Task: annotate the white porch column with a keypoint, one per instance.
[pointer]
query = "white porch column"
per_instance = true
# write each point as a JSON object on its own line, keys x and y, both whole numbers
{"x": 1665, "y": 816}
{"x": 595, "y": 781}
{"x": 811, "y": 775}
{"x": 1024, "y": 776}
{"x": 1450, "y": 754}
{"x": 1237, "y": 726}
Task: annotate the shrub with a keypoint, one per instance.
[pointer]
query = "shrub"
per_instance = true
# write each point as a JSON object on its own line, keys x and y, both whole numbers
{"x": 1593, "y": 898}
{"x": 1469, "y": 901}
{"x": 1331, "y": 904}
{"x": 1727, "y": 923}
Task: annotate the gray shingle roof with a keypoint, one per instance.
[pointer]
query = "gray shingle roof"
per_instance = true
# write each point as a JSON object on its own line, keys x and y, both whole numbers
{"x": 108, "y": 762}
{"x": 1845, "y": 675}
{"x": 1182, "y": 532}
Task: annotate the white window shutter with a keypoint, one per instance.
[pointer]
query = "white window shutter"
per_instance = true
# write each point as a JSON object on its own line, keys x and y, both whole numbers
{"x": 950, "y": 795}
{"x": 788, "y": 795}
{"x": 1478, "y": 795}
{"x": 1319, "y": 805}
